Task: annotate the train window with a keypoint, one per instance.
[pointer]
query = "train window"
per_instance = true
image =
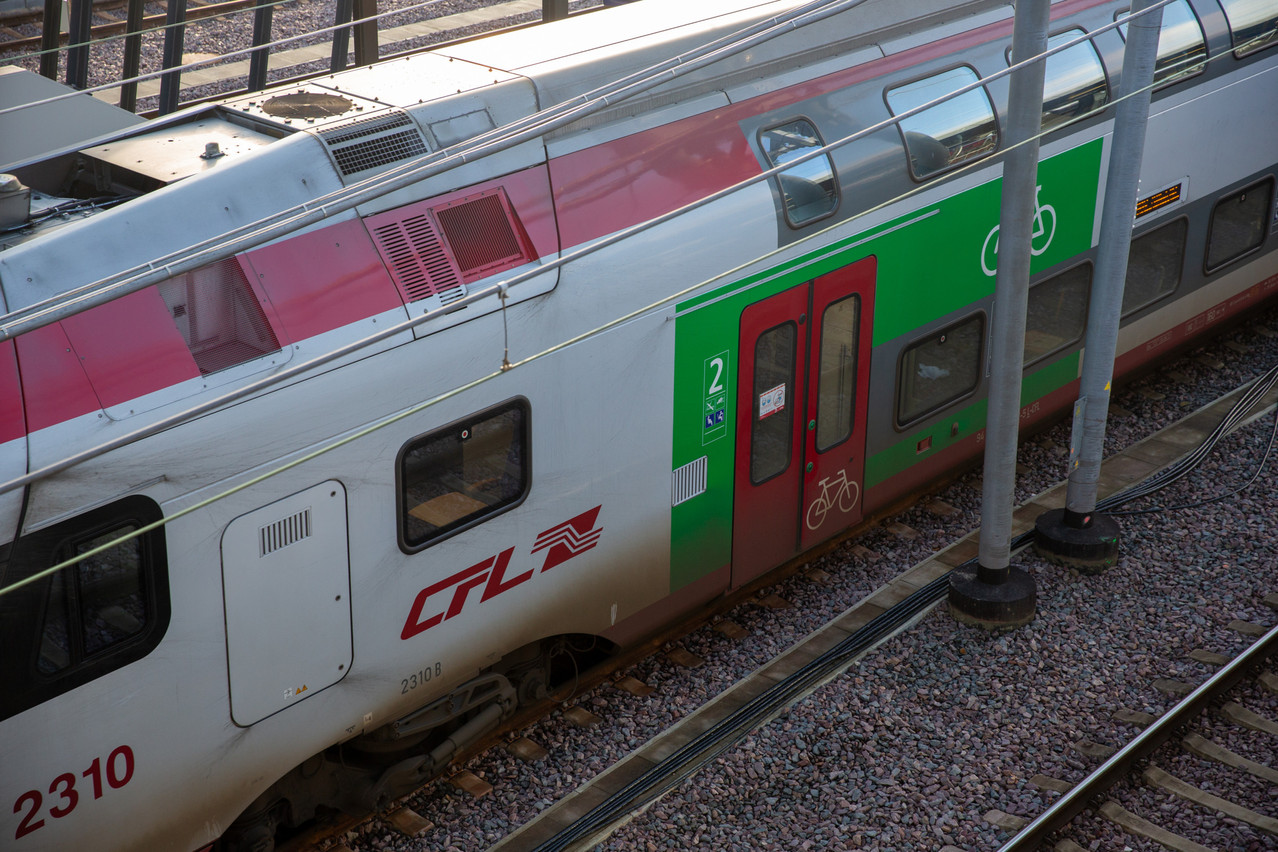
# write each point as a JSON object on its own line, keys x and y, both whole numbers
{"x": 464, "y": 473}
{"x": 1253, "y": 24}
{"x": 1153, "y": 266}
{"x": 94, "y": 604}
{"x": 90, "y": 618}
{"x": 809, "y": 190}
{"x": 1057, "y": 312}
{"x": 939, "y": 369}
{"x": 1182, "y": 49}
{"x": 770, "y": 433}
{"x": 1074, "y": 83}
{"x": 1238, "y": 224}
{"x": 959, "y": 129}
{"x": 836, "y": 372}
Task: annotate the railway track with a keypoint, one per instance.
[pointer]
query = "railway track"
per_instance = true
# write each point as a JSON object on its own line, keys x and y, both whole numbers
{"x": 1189, "y": 729}
{"x": 108, "y": 21}
{"x": 612, "y": 798}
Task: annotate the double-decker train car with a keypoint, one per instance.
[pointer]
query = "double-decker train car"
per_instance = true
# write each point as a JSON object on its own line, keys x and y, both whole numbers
{"x": 335, "y": 416}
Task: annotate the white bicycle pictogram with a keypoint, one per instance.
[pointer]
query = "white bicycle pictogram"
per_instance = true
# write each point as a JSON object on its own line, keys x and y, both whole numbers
{"x": 846, "y": 493}
{"x": 1044, "y": 226}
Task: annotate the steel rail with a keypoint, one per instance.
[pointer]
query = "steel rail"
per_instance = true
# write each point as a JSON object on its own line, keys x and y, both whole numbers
{"x": 1120, "y": 764}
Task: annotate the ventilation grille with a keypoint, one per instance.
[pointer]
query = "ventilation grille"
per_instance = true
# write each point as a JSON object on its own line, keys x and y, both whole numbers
{"x": 373, "y": 141}
{"x": 481, "y": 234}
{"x": 284, "y": 532}
{"x": 418, "y": 260}
{"x": 688, "y": 481}
{"x": 433, "y": 251}
{"x": 218, "y": 315}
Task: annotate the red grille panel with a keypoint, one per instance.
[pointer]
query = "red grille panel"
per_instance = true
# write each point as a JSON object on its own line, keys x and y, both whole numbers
{"x": 434, "y": 250}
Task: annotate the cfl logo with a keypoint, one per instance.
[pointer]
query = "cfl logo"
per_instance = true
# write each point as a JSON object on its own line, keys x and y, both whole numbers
{"x": 561, "y": 542}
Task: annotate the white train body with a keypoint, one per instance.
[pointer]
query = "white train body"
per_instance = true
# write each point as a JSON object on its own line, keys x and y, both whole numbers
{"x": 408, "y": 523}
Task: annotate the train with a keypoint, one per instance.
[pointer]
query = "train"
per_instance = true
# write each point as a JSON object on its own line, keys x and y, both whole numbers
{"x": 339, "y": 417}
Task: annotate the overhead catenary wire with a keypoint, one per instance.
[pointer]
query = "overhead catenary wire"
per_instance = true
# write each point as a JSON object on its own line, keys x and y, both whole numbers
{"x": 298, "y": 370}
{"x": 488, "y": 291}
{"x": 260, "y": 231}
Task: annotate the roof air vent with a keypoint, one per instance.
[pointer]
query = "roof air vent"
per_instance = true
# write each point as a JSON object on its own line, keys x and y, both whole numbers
{"x": 307, "y": 105}
{"x": 373, "y": 141}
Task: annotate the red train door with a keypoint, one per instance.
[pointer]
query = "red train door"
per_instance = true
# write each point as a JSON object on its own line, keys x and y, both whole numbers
{"x": 801, "y": 397}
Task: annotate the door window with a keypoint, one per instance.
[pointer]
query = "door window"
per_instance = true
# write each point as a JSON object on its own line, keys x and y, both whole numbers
{"x": 836, "y": 381}
{"x": 773, "y": 406}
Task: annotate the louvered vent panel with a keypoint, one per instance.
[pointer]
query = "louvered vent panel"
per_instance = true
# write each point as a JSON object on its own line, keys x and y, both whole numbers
{"x": 419, "y": 262}
{"x": 482, "y": 236}
{"x": 373, "y": 141}
{"x": 435, "y": 251}
{"x": 284, "y": 532}
{"x": 688, "y": 481}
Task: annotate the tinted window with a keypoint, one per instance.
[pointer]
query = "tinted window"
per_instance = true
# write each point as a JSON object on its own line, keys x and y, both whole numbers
{"x": 1238, "y": 223}
{"x": 959, "y": 129}
{"x": 1057, "y": 312}
{"x": 774, "y": 354}
{"x": 1074, "y": 83}
{"x": 90, "y": 618}
{"x": 463, "y": 473}
{"x": 1253, "y": 24}
{"x": 808, "y": 190}
{"x": 1153, "y": 266}
{"x": 940, "y": 369}
{"x": 96, "y": 603}
{"x": 836, "y": 381}
{"x": 1181, "y": 46}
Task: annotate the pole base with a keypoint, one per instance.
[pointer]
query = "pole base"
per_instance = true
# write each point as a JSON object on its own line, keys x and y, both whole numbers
{"x": 1089, "y": 549}
{"x": 992, "y": 606}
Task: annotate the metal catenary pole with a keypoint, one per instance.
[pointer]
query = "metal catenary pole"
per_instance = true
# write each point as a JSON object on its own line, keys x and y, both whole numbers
{"x": 997, "y": 594}
{"x": 1076, "y": 535}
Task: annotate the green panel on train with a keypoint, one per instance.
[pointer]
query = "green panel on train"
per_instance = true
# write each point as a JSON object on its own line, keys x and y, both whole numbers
{"x": 933, "y": 261}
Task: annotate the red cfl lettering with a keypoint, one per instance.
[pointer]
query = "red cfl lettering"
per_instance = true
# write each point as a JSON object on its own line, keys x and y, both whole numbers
{"x": 491, "y": 573}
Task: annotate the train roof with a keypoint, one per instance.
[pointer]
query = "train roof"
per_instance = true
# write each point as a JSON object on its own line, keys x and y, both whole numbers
{"x": 251, "y": 157}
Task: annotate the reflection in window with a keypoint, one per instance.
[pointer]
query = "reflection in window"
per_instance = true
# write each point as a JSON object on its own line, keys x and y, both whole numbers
{"x": 770, "y": 432}
{"x": 95, "y": 604}
{"x": 1238, "y": 223}
{"x": 940, "y": 369}
{"x": 1253, "y": 24}
{"x": 1153, "y": 266}
{"x": 462, "y": 473}
{"x": 949, "y": 133}
{"x": 1181, "y": 46}
{"x": 836, "y": 381}
{"x": 1057, "y": 312}
{"x": 1074, "y": 83}
{"x": 809, "y": 188}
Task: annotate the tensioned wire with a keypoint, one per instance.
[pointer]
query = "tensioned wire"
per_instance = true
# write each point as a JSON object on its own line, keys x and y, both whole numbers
{"x": 500, "y": 288}
{"x": 499, "y": 139}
